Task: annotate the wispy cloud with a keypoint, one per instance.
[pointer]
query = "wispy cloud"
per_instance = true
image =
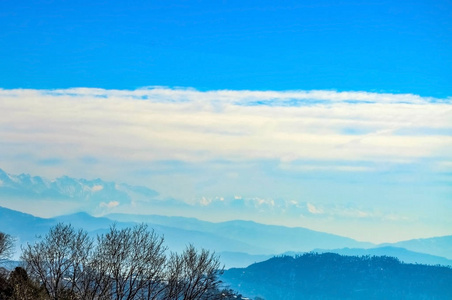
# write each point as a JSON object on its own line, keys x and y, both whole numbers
{"x": 293, "y": 208}
{"x": 313, "y": 209}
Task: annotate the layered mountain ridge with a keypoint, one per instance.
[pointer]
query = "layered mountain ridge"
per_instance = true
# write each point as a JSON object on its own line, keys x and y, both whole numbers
{"x": 241, "y": 243}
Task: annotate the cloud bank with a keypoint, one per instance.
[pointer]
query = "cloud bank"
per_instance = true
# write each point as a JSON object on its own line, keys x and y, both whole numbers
{"x": 156, "y": 124}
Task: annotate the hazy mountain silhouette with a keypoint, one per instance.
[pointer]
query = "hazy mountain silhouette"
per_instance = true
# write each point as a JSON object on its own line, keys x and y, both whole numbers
{"x": 25, "y": 186}
{"x": 241, "y": 243}
{"x": 26, "y": 228}
{"x": 232, "y": 236}
{"x": 441, "y": 246}
{"x": 275, "y": 239}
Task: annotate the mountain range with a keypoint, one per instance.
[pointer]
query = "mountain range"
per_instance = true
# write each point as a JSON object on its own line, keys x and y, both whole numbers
{"x": 238, "y": 243}
{"x": 25, "y": 186}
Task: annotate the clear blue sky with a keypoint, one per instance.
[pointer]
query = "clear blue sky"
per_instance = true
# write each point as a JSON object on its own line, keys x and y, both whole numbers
{"x": 381, "y": 46}
{"x": 332, "y": 115}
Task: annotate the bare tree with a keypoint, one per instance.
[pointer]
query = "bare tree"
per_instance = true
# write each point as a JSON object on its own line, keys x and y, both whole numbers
{"x": 124, "y": 264}
{"x": 134, "y": 260}
{"x": 94, "y": 284}
{"x": 6, "y": 245}
{"x": 193, "y": 275}
{"x": 59, "y": 260}
{"x": 175, "y": 281}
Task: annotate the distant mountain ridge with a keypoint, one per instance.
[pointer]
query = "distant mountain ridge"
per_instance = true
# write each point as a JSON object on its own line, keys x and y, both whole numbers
{"x": 240, "y": 242}
{"x": 441, "y": 246}
{"x": 233, "y": 236}
{"x": 26, "y": 186}
{"x": 257, "y": 239}
{"x": 277, "y": 239}
{"x": 26, "y": 228}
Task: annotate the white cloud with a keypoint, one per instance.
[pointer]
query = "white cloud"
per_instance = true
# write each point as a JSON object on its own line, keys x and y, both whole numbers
{"x": 313, "y": 209}
{"x": 110, "y": 204}
{"x": 205, "y": 201}
{"x": 184, "y": 124}
{"x": 259, "y": 202}
{"x": 354, "y": 212}
{"x": 97, "y": 188}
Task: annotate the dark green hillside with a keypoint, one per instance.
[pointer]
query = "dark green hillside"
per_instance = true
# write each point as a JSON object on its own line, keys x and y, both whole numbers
{"x": 332, "y": 276}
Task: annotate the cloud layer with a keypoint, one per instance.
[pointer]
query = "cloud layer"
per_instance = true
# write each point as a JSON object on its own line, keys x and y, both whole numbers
{"x": 182, "y": 124}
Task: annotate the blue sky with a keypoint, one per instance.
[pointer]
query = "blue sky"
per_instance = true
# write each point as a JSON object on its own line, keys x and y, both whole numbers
{"x": 380, "y": 46}
{"x": 332, "y": 115}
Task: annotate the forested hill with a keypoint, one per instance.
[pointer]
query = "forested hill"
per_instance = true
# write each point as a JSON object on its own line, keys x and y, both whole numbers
{"x": 332, "y": 276}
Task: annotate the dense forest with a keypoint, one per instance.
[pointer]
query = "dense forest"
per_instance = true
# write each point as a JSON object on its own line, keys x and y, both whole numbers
{"x": 332, "y": 276}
